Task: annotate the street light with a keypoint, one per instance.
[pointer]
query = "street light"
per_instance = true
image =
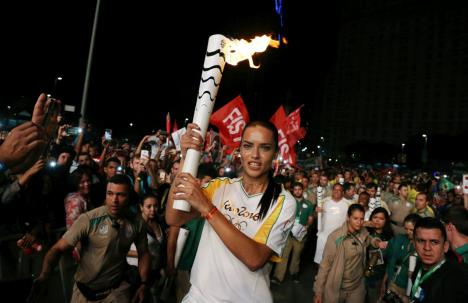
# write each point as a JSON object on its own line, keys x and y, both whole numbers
{"x": 131, "y": 124}
{"x": 402, "y": 147}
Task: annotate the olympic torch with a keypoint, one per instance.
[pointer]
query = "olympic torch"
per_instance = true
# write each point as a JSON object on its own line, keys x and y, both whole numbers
{"x": 319, "y": 204}
{"x": 220, "y": 50}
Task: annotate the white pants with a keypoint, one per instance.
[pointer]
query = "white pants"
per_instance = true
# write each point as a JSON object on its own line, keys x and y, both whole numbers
{"x": 321, "y": 241}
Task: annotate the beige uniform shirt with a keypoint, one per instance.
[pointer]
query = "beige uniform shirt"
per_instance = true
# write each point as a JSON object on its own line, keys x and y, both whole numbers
{"x": 399, "y": 210}
{"x": 343, "y": 264}
{"x": 105, "y": 243}
{"x": 354, "y": 256}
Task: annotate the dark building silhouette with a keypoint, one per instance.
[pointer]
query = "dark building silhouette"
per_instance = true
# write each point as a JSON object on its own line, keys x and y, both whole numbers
{"x": 401, "y": 71}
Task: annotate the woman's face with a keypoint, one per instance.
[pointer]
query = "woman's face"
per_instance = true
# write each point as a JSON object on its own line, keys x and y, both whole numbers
{"x": 149, "y": 208}
{"x": 221, "y": 172}
{"x": 257, "y": 151}
{"x": 378, "y": 220}
{"x": 85, "y": 185}
{"x": 355, "y": 221}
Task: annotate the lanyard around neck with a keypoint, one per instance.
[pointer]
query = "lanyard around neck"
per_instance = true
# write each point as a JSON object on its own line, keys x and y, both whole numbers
{"x": 426, "y": 276}
{"x": 300, "y": 203}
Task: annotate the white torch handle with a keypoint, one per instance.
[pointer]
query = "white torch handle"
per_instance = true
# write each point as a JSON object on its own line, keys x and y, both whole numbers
{"x": 210, "y": 79}
{"x": 319, "y": 204}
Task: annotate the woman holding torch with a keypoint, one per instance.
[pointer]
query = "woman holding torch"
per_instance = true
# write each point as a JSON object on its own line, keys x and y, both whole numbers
{"x": 247, "y": 220}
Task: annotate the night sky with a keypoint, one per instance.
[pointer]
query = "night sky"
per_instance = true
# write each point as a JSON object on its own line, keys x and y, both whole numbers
{"x": 139, "y": 42}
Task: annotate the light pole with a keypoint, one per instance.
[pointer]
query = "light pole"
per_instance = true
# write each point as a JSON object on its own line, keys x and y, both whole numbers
{"x": 319, "y": 156}
{"x": 56, "y": 84}
{"x": 402, "y": 155}
{"x": 84, "y": 98}
{"x": 424, "y": 154}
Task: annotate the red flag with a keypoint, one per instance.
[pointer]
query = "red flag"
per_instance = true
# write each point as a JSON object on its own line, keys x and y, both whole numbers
{"x": 295, "y": 132}
{"x": 280, "y": 120}
{"x": 230, "y": 121}
{"x": 175, "y": 128}
{"x": 168, "y": 123}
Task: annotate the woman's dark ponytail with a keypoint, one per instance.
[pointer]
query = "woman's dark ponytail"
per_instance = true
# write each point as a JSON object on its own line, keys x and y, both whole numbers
{"x": 270, "y": 196}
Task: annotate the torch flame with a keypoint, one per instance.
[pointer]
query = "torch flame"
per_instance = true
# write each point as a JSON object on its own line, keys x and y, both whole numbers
{"x": 238, "y": 50}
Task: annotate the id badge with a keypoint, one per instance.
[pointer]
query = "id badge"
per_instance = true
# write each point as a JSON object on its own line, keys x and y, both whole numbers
{"x": 419, "y": 295}
{"x": 397, "y": 269}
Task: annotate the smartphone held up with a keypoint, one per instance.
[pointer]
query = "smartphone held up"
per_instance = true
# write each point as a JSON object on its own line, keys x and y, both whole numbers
{"x": 108, "y": 134}
{"x": 73, "y": 131}
{"x": 144, "y": 156}
{"x": 50, "y": 123}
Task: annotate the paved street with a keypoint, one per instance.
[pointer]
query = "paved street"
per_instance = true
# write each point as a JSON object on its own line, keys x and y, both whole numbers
{"x": 290, "y": 292}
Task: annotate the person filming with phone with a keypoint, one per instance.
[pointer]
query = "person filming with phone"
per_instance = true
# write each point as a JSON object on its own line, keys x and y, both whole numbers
{"x": 23, "y": 146}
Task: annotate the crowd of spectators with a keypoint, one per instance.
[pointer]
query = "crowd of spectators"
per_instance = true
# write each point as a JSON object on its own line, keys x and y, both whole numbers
{"x": 49, "y": 176}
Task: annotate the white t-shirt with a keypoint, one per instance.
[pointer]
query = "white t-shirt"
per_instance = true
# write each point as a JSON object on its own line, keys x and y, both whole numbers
{"x": 217, "y": 275}
{"x": 333, "y": 216}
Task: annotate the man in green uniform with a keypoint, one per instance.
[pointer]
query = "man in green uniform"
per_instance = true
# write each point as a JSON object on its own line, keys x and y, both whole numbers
{"x": 296, "y": 239}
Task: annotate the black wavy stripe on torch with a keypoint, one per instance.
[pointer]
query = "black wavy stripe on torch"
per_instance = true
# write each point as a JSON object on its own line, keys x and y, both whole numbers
{"x": 206, "y": 69}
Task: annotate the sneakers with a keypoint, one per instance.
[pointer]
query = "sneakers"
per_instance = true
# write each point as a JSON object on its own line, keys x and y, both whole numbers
{"x": 295, "y": 278}
{"x": 275, "y": 281}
